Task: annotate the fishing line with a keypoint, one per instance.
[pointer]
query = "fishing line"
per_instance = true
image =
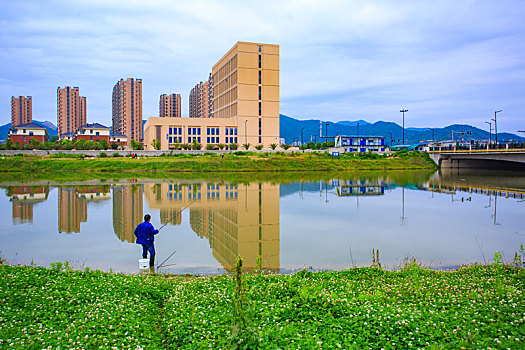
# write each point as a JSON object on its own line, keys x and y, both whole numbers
{"x": 170, "y": 220}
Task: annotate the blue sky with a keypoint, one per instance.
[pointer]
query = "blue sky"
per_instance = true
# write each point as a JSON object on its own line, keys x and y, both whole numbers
{"x": 445, "y": 61}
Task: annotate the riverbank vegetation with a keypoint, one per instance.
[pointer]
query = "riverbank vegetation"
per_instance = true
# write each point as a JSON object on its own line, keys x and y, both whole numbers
{"x": 213, "y": 162}
{"x": 472, "y": 307}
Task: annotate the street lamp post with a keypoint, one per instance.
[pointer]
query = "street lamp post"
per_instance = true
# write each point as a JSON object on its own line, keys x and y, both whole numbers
{"x": 245, "y": 133}
{"x": 496, "y": 125}
{"x": 403, "y": 111}
{"x": 490, "y": 132}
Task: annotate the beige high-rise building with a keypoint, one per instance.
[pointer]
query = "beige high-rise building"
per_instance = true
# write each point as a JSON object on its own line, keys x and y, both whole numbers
{"x": 244, "y": 103}
{"x": 21, "y": 110}
{"x": 170, "y": 105}
{"x": 127, "y": 108}
{"x": 199, "y": 101}
{"x": 71, "y": 110}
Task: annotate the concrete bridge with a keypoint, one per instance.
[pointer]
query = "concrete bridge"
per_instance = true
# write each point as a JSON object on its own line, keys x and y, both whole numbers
{"x": 491, "y": 159}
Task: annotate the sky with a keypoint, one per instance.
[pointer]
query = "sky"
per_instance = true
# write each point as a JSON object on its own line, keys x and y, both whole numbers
{"x": 446, "y": 62}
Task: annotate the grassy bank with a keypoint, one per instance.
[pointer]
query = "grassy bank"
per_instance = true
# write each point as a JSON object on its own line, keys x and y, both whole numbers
{"x": 474, "y": 307}
{"x": 238, "y": 162}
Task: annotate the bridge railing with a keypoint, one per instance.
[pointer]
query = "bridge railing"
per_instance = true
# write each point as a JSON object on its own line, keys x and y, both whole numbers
{"x": 478, "y": 146}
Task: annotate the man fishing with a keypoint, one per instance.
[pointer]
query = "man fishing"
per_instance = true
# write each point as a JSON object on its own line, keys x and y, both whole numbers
{"x": 145, "y": 232}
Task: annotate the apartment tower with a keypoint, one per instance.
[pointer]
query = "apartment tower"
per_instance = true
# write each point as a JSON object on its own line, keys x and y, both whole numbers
{"x": 170, "y": 106}
{"x": 71, "y": 110}
{"x": 21, "y": 110}
{"x": 127, "y": 108}
{"x": 246, "y": 86}
{"x": 199, "y": 101}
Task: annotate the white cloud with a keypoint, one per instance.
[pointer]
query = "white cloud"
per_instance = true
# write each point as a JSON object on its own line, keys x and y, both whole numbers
{"x": 339, "y": 59}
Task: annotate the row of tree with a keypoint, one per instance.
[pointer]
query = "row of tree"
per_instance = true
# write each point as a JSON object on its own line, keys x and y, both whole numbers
{"x": 198, "y": 146}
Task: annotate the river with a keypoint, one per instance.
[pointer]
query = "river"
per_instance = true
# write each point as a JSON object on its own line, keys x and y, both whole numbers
{"x": 317, "y": 221}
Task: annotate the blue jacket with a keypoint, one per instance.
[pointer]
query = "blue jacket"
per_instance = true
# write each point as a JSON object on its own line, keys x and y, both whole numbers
{"x": 145, "y": 232}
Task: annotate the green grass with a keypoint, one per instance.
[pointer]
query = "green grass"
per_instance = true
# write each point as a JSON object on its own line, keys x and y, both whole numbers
{"x": 400, "y": 177}
{"x": 209, "y": 162}
{"x": 473, "y": 307}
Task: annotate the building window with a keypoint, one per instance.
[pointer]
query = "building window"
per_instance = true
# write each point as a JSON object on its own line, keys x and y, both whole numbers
{"x": 259, "y": 48}
{"x": 260, "y": 108}
{"x": 259, "y": 60}
{"x": 260, "y": 77}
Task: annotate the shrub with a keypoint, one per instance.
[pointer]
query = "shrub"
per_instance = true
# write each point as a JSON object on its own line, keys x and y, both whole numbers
{"x": 273, "y": 146}
{"x": 102, "y": 155}
{"x": 285, "y": 146}
{"x": 116, "y": 154}
{"x": 137, "y": 146}
{"x": 246, "y": 146}
{"x": 210, "y": 147}
{"x": 114, "y": 145}
{"x": 259, "y": 147}
{"x": 221, "y": 146}
{"x": 234, "y": 146}
{"x": 196, "y": 145}
{"x": 104, "y": 144}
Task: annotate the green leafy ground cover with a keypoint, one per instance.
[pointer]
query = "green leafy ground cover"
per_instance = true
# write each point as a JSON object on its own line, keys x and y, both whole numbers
{"x": 473, "y": 307}
{"x": 210, "y": 162}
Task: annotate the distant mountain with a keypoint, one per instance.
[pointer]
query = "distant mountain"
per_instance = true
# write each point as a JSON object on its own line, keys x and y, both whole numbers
{"x": 51, "y": 129}
{"x": 418, "y": 129}
{"x": 353, "y": 123}
{"x": 290, "y": 130}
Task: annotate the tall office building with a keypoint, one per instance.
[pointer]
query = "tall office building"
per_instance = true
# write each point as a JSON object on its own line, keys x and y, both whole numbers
{"x": 71, "y": 110}
{"x": 127, "y": 108}
{"x": 246, "y": 85}
{"x": 199, "y": 101}
{"x": 21, "y": 110}
{"x": 170, "y": 105}
{"x": 243, "y": 96}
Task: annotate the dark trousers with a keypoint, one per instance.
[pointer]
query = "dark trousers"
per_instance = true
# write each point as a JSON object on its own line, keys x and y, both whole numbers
{"x": 151, "y": 249}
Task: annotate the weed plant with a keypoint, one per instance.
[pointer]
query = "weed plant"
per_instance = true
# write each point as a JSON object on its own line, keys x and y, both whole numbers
{"x": 478, "y": 306}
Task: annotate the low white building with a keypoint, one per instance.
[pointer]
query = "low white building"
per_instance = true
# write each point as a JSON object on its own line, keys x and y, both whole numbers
{"x": 364, "y": 143}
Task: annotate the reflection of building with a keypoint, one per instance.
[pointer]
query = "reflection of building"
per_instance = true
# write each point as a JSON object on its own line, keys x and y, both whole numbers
{"x": 72, "y": 210}
{"x": 23, "y": 198}
{"x": 361, "y": 187}
{"x": 127, "y": 210}
{"x": 93, "y": 193}
{"x": 236, "y": 219}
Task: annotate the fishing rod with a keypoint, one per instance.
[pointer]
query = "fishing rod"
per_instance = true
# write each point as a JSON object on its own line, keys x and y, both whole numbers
{"x": 170, "y": 220}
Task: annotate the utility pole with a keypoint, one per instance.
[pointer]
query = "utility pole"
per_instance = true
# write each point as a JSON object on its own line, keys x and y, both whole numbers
{"x": 357, "y": 129}
{"x": 326, "y": 132}
{"x": 302, "y": 136}
{"x": 403, "y": 111}
{"x": 496, "y": 125}
{"x": 490, "y": 132}
{"x": 432, "y": 134}
{"x": 245, "y": 132}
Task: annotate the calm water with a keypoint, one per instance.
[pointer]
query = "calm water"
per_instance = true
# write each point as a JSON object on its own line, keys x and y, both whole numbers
{"x": 443, "y": 219}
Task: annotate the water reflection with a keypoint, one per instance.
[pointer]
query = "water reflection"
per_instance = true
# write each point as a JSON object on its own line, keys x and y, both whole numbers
{"x": 127, "y": 210}
{"x": 326, "y": 223}
{"x": 236, "y": 219}
{"x": 23, "y": 199}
